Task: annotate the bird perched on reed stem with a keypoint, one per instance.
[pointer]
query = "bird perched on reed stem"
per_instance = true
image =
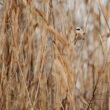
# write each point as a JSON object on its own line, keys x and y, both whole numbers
{"x": 79, "y": 34}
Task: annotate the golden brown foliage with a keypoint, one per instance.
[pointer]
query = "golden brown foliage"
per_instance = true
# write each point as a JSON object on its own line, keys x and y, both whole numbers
{"x": 41, "y": 68}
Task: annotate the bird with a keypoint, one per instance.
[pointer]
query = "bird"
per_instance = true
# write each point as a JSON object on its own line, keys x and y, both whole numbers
{"x": 79, "y": 34}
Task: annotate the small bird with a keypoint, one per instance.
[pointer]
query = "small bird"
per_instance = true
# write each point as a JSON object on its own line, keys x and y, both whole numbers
{"x": 79, "y": 34}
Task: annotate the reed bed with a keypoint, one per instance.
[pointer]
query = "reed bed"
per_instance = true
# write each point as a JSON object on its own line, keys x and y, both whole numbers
{"x": 44, "y": 65}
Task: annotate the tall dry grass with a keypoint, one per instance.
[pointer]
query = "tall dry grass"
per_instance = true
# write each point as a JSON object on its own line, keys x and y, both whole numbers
{"x": 41, "y": 68}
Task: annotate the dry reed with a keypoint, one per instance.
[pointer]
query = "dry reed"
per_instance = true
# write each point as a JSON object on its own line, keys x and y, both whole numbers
{"x": 41, "y": 68}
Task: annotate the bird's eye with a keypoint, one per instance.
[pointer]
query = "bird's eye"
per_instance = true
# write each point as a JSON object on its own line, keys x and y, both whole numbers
{"x": 78, "y": 29}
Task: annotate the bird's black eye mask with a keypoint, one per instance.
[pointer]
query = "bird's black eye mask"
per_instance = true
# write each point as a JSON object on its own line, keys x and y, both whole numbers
{"x": 77, "y": 29}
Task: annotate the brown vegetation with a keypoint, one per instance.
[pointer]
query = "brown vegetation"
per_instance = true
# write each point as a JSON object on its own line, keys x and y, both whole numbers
{"x": 41, "y": 68}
